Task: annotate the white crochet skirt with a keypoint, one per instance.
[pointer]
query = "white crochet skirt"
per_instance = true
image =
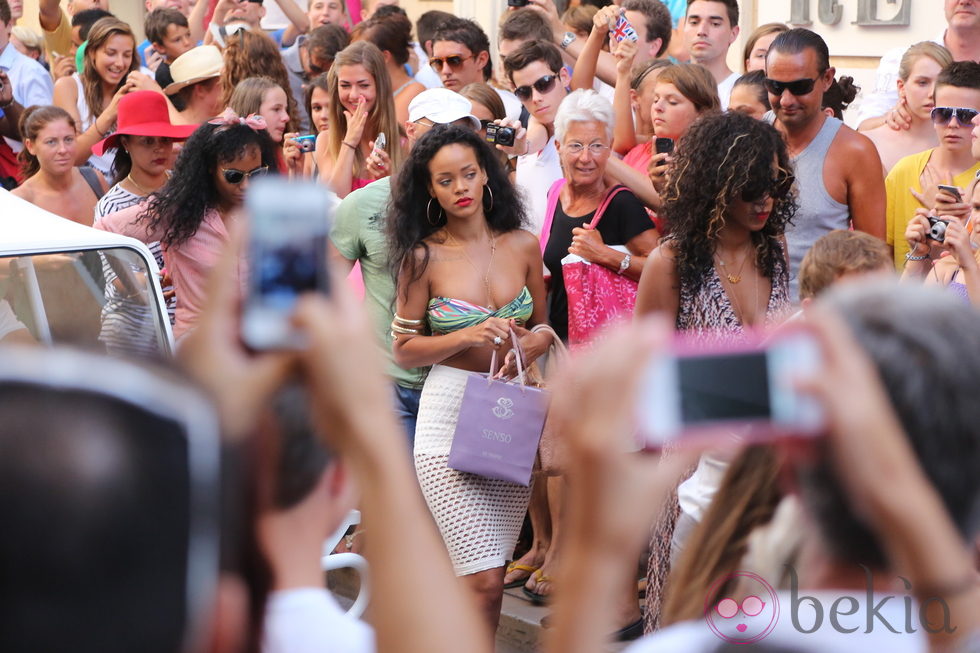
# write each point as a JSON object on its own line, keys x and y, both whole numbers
{"x": 479, "y": 518}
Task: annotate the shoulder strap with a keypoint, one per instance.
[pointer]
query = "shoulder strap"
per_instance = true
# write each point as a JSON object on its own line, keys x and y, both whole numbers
{"x": 92, "y": 179}
{"x": 610, "y": 194}
{"x": 549, "y": 213}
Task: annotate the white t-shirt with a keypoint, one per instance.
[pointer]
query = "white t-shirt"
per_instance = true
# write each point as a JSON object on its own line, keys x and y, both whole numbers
{"x": 725, "y": 89}
{"x": 308, "y": 620}
{"x": 512, "y": 106}
{"x": 425, "y": 75}
{"x": 536, "y": 172}
{"x": 697, "y": 636}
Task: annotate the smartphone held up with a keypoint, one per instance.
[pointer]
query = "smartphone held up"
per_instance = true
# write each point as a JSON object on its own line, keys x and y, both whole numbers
{"x": 289, "y": 222}
{"x": 747, "y": 391}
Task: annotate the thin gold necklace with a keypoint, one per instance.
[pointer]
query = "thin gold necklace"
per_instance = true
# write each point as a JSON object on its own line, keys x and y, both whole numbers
{"x": 737, "y": 277}
{"x": 140, "y": 188}
{"x": 486, "y": 276}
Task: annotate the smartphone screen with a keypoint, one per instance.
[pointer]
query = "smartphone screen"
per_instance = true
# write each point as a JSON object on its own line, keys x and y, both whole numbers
{"x": 749, "y": 391}
{"x": 730, "y": 387}
{"x": 664, "y": 145}
{"x": 287, "y": 257}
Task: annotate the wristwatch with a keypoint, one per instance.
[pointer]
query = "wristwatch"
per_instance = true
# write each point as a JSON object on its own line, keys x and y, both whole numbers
{"x": 624, "y": 264}
{"x": 567, "y": 41}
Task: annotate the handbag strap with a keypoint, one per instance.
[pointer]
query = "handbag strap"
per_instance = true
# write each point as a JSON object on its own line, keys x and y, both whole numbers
{"x": 604, "y": 204}
{"x": 556, "y": 344}
{"x": 549, "y": 214}
{"x": 518, "y": 356}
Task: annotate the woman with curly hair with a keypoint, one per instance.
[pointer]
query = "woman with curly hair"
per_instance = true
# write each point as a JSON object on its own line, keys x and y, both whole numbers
{"x": 468, "y": 274}
{"x": 192, "y": 214}
{"x": 362, "y": 106}
{"x": 720, "y": 270}
{"x": 253, "y": 54}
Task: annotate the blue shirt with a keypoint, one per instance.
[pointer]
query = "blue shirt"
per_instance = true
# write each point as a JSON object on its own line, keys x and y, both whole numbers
{"x": 31, "y": 82}
{"x": 677, "y": 9}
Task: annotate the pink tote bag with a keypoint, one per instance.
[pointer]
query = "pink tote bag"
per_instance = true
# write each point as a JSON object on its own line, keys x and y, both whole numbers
{"x": 597, "y": 296}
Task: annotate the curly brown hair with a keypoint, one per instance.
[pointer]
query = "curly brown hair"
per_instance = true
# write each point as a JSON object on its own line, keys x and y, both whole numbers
{"x": 251, "y": 53}
{"x": 724, "y": 155}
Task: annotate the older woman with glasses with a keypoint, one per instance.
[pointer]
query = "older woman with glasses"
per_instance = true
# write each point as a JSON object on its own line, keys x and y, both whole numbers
{"x": 583, "y": 128}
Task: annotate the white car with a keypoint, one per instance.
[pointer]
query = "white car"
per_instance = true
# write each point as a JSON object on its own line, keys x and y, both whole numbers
{"x": 65, "y": 283}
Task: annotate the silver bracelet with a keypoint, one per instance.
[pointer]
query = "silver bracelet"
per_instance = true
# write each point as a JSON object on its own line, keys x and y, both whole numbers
{"x": 909, "y": 257}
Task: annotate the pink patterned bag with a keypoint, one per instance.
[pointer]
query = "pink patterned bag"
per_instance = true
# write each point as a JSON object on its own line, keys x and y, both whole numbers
{"x": 597, "y": 296}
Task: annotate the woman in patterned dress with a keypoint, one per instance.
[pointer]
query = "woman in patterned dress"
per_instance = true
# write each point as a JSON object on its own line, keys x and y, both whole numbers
{"x": 721, "y": 269}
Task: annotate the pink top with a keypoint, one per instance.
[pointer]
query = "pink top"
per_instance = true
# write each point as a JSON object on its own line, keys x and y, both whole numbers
{"x": 639, "y": 157}
{"x": 189, "y": 263}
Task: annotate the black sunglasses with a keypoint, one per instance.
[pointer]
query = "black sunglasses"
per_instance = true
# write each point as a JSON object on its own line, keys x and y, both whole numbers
{"x": 544, "y": 85}
{"x": 796, "y": 87}
{"x": 235, "y": 177}
{"x": 964, "y": 116}
{"x": 776, "y": 188}
{"x": 454, "y": 61}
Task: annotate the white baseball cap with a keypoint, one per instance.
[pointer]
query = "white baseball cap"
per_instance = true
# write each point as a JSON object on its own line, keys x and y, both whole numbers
{"x": 441, "y": 106}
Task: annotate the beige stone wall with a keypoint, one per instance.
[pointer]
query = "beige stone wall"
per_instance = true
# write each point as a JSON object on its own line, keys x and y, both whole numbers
{"x": 130, "y": 11}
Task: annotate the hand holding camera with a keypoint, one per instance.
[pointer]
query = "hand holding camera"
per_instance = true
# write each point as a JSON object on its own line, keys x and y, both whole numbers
{"x": 917, "y": 234}
{"x": 292, "y": 153}
{"x": 957, "y": 241}
{"x": 508, "y": 136}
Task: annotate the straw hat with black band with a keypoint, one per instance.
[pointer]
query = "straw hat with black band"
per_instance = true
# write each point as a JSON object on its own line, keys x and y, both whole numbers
{"x": 195, "y": 65}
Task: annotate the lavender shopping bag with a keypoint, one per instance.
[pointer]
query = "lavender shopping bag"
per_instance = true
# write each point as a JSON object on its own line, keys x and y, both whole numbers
{"x": 499, "y": 426}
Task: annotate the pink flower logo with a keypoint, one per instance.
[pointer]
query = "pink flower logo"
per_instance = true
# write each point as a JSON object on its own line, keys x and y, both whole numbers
{"x": 744, "y": 621}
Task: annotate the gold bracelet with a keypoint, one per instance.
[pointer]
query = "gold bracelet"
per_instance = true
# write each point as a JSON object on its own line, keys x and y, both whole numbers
{"x": 397, "y": 329}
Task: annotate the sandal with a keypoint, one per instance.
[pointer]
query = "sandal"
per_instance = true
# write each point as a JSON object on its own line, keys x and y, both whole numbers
{"x": 536, "y": 597}
{"x": 516, "y": 566}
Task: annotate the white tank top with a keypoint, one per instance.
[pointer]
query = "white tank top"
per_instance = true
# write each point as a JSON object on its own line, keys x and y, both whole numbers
{"x": 101, "y": 163}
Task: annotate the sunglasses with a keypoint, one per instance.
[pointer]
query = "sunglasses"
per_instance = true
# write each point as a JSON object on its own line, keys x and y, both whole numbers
{"x": 776, "y": 188}
{"x": 796, "y": 87}
{"x": 235, "y": 177}
{"x": 942, "y": 115}
{"x": 544, "y": 85}
{"x": 454, "y": 61}
{"x": 752, "y": 606}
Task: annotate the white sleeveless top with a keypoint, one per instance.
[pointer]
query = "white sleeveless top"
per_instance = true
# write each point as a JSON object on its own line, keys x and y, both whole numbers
{"x": 101, "y": 163}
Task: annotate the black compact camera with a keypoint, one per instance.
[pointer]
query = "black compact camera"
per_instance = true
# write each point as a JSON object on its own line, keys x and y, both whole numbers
{"x": 937, "y": 229}
{"x": 500, "y": 135}
{"x": 517, "y": 3}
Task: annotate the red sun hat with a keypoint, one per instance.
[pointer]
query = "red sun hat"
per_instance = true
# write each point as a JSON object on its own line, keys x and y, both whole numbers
{"x": 143, "y": 113}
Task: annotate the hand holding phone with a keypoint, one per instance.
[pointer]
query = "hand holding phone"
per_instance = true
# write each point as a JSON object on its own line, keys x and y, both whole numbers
{"x": 664, "y": 146}
{"x": 746, "y": 390}
{"x": 952, "y": 190}
{"x": 288, "y": 227}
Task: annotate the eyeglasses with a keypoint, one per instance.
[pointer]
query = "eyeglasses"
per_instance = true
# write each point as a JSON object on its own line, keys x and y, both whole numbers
{"x": 595, "y": 149}
{"x": 544, "y": 85}
{"x": 776, "y": 187}
{"x": 964, "y": 116}
{"x": 454, "y": 61}
{"x": 235, "y": 177}
{"x": 796, "y": 87}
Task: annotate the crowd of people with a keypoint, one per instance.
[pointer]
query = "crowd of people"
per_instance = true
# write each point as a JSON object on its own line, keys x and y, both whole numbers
{"x": 608, "y": 182}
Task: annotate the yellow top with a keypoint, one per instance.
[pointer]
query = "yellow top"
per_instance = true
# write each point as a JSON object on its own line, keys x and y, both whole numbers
{"x": 902, "y": 203}
{"x": 58, "y": 42}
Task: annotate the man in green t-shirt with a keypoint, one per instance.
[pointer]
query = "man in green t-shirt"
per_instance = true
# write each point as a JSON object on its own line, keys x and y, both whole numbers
{"x": 358, "y": 236}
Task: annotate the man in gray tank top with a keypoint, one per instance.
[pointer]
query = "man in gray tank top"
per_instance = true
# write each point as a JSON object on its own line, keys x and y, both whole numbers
{"x": 839, "y": 176}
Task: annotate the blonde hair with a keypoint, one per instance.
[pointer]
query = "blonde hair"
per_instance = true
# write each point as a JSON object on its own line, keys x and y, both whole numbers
{"x": 31, "y": 39}
{"x": 381, "y": 118}
{"x": 838, "y": 253}
{"x": 101, "y": 32}
{"x": 934, "y": 51}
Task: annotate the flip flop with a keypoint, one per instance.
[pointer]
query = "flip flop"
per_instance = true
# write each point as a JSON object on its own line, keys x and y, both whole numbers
{"x": 516, "y": 566}
{"x": 535, "y": 597}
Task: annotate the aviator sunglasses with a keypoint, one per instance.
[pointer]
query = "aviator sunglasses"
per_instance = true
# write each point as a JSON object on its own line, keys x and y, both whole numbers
{"x": 942, "y": 115}
{"x": 454, "y": 61}
{"x": 544, "y": 85}
{"x": 796, "y": 87}
{"x": 235, "y": 177}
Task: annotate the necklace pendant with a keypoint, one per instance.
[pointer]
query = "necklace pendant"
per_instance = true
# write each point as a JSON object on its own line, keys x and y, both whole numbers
{"x": 733, "y": 278}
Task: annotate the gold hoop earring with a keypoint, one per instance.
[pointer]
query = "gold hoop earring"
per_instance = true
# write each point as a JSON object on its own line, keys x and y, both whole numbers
{"x": 428, "y": 214}
{"x": 489, "y": 190}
